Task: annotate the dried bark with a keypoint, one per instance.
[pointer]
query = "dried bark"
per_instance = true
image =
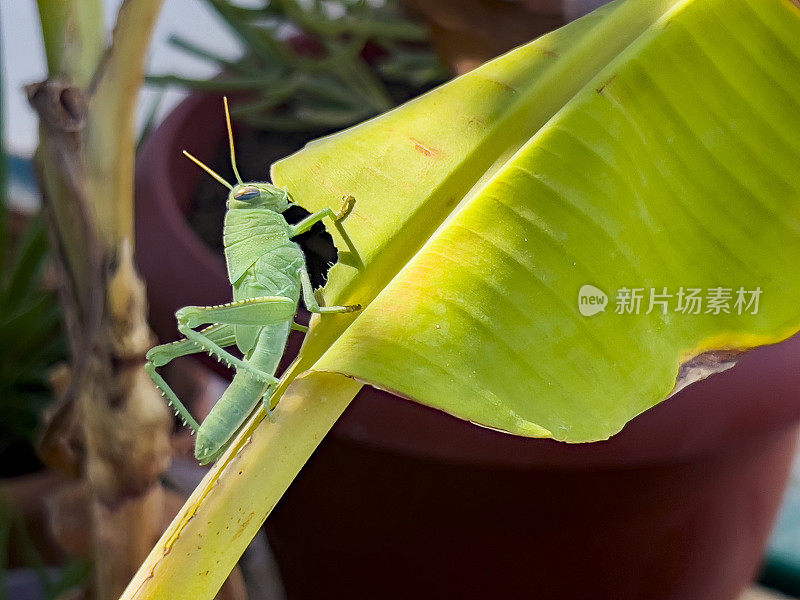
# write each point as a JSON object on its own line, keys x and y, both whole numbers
{"x": 110, "y": 426}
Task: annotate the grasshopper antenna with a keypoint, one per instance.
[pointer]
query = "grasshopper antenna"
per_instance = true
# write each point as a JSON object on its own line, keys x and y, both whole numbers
{"x": 230, "y": 139}
{"x": 208, "y": 170}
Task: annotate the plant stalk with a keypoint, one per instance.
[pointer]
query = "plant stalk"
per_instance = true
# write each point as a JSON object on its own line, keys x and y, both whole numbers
{"x": 204, "y": 541}
{"x": 110, "y": 426}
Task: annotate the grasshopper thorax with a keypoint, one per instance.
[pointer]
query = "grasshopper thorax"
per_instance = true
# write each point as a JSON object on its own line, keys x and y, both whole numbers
{"x": 259, "y": 195}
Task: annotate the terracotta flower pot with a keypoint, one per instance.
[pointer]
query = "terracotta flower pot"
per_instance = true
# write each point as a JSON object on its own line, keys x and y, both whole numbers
{"x": 401, "y": 501}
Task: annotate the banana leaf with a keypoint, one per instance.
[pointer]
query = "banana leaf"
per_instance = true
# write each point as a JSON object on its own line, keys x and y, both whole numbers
{"x": 532, "y": 234}
{"x": 483, "y": 209}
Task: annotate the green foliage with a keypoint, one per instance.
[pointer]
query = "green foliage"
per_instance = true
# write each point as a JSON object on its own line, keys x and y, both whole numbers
{"x": 305, "y": 68}
{"x": 30, "y": 330}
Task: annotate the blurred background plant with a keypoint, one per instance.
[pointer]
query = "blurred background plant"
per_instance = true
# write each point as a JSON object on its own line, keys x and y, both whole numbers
{"x": 316, "y": 65}
{"x": 105, "y": 437}
{"x": 31, "y": 317}
{"x": 30, "y": 330}
{"x": 32, "y": 345}
{"x": 32, "y": 575}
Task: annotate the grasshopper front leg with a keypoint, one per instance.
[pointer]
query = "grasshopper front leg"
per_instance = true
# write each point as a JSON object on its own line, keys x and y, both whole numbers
{"x": 310, "y": 300}
{"x": 352, "y": 257}
{"x": 295, "y": 326}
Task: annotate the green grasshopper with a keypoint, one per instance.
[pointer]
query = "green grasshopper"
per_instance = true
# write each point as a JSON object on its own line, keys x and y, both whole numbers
{"x": 268, "y": 273}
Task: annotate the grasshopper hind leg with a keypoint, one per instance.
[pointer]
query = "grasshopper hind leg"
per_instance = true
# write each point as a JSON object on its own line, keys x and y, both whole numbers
{"x": 259, "y": 311}
{"x": 180, "y": 410}
{"x": 163, "y": 354}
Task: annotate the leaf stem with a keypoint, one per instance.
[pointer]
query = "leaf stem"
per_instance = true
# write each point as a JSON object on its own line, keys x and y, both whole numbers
{"x": 201, "y": 546}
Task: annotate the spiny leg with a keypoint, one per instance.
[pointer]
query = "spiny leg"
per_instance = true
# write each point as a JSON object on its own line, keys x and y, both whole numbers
{"x": 311, "y": 301}
{"x": 265, "y": 310}
{"x": 354, "y": 259}
{"x": 223, "y": 335}
{"x": 161, "y": 355}
{"x": 172, "y": 398}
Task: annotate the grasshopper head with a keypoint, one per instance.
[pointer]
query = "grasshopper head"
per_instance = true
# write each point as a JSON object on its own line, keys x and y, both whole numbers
{"x": 259, "y": 195}
{"x": 246, "y": 195}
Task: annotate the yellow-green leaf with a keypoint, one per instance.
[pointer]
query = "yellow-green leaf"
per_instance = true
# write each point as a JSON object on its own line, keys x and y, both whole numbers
{"x": 676, "y": 166}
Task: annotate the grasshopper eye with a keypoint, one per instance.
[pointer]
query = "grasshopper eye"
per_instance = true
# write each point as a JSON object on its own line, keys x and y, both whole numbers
{"x": 249, "y": 192}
